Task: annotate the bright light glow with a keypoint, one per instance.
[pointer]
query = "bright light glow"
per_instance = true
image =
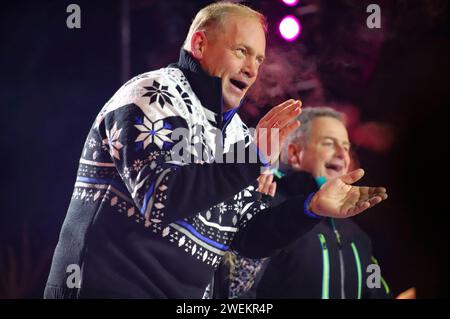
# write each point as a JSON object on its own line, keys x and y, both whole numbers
{"x": 290, "y": 28}
{"x": 290, "y": 3}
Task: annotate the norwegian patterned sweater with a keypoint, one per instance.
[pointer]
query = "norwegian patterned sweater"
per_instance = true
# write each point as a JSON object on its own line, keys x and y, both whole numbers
{"x": 147, "y": 218}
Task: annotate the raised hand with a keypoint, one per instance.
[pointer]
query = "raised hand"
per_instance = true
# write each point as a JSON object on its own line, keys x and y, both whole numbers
{"x": 282, "y": 118}
{"x": 339, "y": 199}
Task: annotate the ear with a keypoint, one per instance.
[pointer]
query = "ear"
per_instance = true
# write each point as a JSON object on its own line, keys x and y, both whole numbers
{"x": 198, "y": 44}
{"x": 294, "y": 155}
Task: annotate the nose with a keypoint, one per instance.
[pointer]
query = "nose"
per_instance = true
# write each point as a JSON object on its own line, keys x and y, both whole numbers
{"x": 340, "y": 151}
{"x": 250, "y": 68}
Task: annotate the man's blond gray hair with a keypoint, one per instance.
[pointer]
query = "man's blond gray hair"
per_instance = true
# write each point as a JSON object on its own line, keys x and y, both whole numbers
{"x": 301, "y": 135}
{"x": 213, "y": 17}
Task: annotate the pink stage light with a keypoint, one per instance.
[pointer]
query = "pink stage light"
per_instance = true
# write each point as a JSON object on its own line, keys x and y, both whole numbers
{"x": 290, "y": 28}
{"x": 290, "y": 3}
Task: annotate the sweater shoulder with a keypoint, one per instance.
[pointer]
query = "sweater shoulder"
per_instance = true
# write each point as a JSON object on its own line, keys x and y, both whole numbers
{"x": 161, "y": 87}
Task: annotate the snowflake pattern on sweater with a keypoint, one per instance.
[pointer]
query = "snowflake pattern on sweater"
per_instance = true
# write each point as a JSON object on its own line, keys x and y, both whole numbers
{"x": 128, "y": 157}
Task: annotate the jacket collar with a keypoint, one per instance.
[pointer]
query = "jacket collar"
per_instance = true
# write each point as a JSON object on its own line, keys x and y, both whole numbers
{"x": 207, "y": 88}
{"x": 292, "y": 182}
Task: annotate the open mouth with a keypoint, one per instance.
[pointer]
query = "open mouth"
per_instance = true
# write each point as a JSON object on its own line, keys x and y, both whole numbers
{"x": 239, "y": 84}
{"x": 334, "y": 168}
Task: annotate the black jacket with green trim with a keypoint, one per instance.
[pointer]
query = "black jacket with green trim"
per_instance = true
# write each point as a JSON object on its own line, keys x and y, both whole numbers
{"x": 332, "y": 261}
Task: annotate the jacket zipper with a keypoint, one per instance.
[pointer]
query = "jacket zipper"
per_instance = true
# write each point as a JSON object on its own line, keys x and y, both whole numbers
{"x": 341, "y": 257}
{"x": 325, "y": 267}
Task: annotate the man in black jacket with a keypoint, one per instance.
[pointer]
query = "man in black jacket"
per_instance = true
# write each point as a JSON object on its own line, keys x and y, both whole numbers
{"x": 331, "y": 261}
{"x": 152, "y": 213}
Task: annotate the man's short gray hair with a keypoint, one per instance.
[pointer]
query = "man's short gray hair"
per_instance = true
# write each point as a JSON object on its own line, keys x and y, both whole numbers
{"x": 215, "y": 14}
{"x": 301, "y": 135}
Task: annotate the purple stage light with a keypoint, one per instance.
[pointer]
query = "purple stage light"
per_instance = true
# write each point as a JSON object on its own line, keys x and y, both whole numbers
{"x": 290, "y": 28}
{"x": 290, "y": 3}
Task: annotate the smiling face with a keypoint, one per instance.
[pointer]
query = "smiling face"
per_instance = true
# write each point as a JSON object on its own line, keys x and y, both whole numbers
{"x": 326, "y": 151}
{"x": 233, "y": 53}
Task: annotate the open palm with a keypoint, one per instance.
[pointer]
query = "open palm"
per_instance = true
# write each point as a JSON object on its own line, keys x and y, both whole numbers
{"x": 339, "y": 199}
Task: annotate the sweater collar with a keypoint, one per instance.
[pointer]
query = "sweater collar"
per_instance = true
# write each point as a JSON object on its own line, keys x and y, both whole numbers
{"x": 207, "y": 88}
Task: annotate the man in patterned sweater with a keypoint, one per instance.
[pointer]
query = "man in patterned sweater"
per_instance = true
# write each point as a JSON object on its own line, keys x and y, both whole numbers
{"x": 152, "y": 213}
